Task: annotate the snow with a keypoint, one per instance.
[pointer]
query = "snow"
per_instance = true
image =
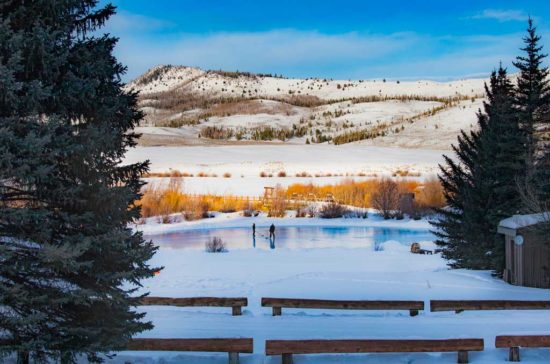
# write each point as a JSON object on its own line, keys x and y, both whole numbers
{"x": 391, "y": 272}
{"x": 393, "y": 247}
{"x": 438, "y": 131}
{"x": 246, "y": 162}
{"x": 520, "y": 221}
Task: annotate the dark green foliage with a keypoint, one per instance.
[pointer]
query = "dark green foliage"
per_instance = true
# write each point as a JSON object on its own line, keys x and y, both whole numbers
{"x": 533, "y": 107}
{"x": 532, "y": 95}
{"x": 510, "y": 149}
{"x": 69, "y": 264}
{"x": 481, "y": 187}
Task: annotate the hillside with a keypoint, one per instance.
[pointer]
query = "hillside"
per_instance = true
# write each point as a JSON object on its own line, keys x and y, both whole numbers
{"x": 190, "y": 106}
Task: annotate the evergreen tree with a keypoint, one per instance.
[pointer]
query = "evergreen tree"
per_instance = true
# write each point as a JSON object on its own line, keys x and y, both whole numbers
{"x": 533, "y": 106}
{"x": 69, "y": 263}
{"x": 481, "y": 187}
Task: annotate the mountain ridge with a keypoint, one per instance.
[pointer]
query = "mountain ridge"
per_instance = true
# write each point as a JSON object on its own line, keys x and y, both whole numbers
{"x": 213, "y": 107}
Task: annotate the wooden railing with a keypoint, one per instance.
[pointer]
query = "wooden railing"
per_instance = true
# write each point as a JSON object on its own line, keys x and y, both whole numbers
{"x": 286, "y": 348}
{"x": 236, "y": 303}
{"x": 479, "y": 305}
{"x": 514, "y": 342}
{"x": 279, "y": 303}
{"x": 233, "y": 347}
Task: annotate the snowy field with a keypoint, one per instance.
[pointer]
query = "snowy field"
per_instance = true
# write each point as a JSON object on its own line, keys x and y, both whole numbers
{"x": 331, "y": 273}
{"x": 245, "y": 163}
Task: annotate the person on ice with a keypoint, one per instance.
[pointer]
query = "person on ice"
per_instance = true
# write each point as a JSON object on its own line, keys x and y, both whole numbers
{"x": 253, "y": 229}
{"x": 272, "y": 232}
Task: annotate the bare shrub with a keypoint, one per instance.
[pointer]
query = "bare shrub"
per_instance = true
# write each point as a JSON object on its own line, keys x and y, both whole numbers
{"x": 228, "y": 205}
{"x": 301, "y": 212}
{"x": 215, "y": 245}
{"x": 386, "y": 197}
{"x": 281, "y": 174}
{"x": 227, "y": 175}
{"x": 216, "y": 132}
{"x": 277, "y": 207}
{"x": 311, "y": 210}
{"x": 195, "y": 208}
{"x": 431, "y": 194}
{"x": 333, "y": 210}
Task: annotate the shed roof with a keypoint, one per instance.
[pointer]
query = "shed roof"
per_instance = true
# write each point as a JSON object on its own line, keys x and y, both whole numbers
{"x": 521, "y": 221}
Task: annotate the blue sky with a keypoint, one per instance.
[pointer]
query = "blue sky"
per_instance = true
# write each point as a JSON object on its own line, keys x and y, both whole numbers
{"x": 342, "y": 39}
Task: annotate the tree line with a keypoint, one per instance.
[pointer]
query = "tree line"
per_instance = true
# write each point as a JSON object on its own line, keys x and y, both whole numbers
{"x": 505, "y": 156}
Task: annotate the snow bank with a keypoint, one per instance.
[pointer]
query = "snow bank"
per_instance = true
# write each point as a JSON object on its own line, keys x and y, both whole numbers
{"x": 521, "y": 221}
{"x": 393, "y": 246}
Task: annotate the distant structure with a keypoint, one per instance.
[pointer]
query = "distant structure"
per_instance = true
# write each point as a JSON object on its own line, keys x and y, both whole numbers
{"x": 406, "y": 203}
{"x": 527, "y": 251}
{"x": 269, "y": 193}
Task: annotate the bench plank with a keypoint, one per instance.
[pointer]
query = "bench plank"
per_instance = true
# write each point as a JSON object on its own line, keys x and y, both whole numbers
{"x": 236, "y": 303}
{"x": 341, "y": 304}
{"x": 279, "y": 347}
{"x": 463, "y": 305}
{"x": 515, "y": 342}
{"x": 200, "y": 345}
{"x": 526, "y": 341}
{"x": 195, "y": 301}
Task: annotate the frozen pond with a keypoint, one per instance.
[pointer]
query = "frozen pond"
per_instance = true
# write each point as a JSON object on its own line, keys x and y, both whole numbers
{"x": 293, "y": 237}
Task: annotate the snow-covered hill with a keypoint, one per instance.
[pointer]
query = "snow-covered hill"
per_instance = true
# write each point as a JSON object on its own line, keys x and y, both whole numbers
{"x": 217, "y": 107}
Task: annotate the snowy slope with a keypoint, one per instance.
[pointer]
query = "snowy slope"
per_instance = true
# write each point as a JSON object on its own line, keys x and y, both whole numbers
{"x": 190, "y": 99}
{"x": 166, "y": 78}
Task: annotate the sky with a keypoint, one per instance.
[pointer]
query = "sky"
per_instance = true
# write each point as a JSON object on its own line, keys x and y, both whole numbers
{"x": 344, "y": 39}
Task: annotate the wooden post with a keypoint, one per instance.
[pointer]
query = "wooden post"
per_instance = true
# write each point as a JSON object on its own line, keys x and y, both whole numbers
{"x": 462, "y": 357}
{"x": 237, "y": 311}
{"x": 514, "y": 354}
{"x": 23, "y": 357}
{"x": 287, "y": 359}
{"x": 233, "y": 358}
{"x": 413, "y": 313}
{"x": 277, "y": 311}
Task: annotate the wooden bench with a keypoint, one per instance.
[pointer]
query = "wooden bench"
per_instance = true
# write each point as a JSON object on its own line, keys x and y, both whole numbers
{"x": 236, "y": 303}
{"x": 514, "y": 342}
{"x": 287, "y": 348}
{"x": 474, "y": 305}
{"x": 231, "y": 346}
{"x": 278, "y": 303}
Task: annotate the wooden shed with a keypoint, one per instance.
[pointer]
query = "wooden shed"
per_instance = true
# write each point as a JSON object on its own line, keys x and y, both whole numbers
{"x": 527, "y": 251}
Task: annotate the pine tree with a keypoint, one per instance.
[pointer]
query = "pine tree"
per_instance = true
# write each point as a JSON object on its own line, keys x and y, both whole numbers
{"x": 533, "y": 101}
{"x": 481, "y": 187}
{"x": 69, "y": 263}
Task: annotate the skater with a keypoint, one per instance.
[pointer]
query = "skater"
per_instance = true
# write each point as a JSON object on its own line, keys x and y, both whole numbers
{"x": 272, "y": 232}
{"x": 254, "y": 235}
